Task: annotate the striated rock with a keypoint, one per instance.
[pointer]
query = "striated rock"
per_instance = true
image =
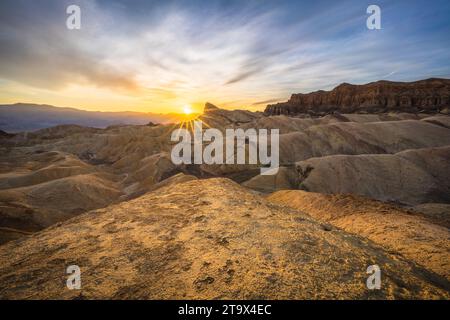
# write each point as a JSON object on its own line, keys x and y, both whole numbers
{"x": 430, "y": 95}
{"x": 410, "y": 177}
{"x": 353, "y": 138}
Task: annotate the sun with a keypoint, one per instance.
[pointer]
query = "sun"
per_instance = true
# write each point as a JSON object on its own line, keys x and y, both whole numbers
{"x": 187, "y": 109}
{"x": 188, "y": 114}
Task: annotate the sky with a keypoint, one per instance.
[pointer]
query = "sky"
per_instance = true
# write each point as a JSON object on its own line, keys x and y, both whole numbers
{"x": 161, "y": 56}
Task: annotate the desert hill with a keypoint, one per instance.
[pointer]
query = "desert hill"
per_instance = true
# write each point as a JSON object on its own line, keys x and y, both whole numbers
{"x": 205, "y": 239}
{"x": 399, "y": 157}
{"x": 409, "y": 177}
{"x": 430, "y": 96}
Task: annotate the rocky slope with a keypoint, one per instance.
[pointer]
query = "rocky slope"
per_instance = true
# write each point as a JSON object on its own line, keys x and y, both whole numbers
{"x": 420, "y": 238}
{"x": 404, "y": 161}
{"x": 431, "y": 95}
{"x": 410, "y": 177}
{"x": 205, "y": 239}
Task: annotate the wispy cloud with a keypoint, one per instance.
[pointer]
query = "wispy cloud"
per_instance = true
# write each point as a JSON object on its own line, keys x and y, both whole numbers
{"x": 172, "y": 53}
{"x": 264, "y": 102}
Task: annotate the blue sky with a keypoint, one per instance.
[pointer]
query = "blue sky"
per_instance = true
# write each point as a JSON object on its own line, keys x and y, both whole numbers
{"x": 161, "y": 55}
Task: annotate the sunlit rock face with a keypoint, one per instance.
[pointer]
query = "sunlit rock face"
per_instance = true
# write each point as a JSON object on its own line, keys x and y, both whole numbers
{"x": 431, "y": 95}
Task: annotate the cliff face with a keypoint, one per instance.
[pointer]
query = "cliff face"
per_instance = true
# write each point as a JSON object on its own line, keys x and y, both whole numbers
{"x": 431, "y": 95}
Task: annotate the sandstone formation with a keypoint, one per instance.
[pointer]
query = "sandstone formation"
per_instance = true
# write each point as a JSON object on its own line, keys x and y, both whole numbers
{"x": 430, "y": 96}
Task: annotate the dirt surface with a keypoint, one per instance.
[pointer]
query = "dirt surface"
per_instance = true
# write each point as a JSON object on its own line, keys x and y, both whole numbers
{"x": 412, "y": 235}
{"x": 205, "y": 239}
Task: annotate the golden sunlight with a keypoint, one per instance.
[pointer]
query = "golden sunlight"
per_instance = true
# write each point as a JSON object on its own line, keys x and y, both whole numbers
{"x": 187, "y": 109}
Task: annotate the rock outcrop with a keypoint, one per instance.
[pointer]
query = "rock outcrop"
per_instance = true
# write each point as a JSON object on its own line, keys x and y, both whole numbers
{"x": 215, "y": 117}
{"x": 430, "y": 96}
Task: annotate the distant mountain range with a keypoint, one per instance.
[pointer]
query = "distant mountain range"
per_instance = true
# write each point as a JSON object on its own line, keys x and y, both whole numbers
{"x": 29, "y": 117}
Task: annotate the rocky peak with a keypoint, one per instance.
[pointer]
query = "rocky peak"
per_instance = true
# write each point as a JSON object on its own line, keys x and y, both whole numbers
{"x": 210, "y": 107}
